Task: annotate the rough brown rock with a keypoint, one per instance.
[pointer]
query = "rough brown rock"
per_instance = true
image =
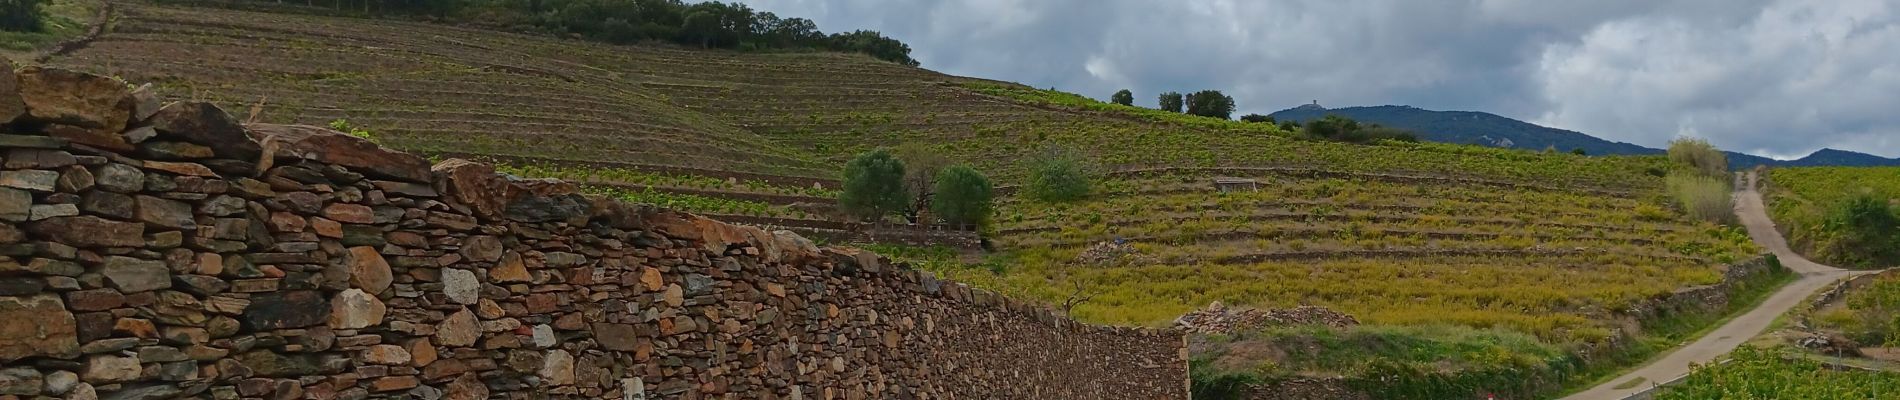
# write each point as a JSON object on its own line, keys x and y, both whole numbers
{"x": 90, "y": 231}
{"x": 206, "y": 124}
{"x": 368, "y": 270}
{"x": 10, "y": 105}
{"x": 73, "y": 98}
{"x": 459, "y": 329}
{"x": 355, "y": 309}
{"x": 332, "y": 147}
{"x": 510, "y": 269}
{"x": 36, "y": 325}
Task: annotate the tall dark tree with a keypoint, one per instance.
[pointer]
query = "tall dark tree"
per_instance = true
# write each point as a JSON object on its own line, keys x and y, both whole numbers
{"x": 1170, "y": 102}
{"x": 1210, "y": 103}
{"x": 1123, "y": 97}
{"x": 21, "y": 15}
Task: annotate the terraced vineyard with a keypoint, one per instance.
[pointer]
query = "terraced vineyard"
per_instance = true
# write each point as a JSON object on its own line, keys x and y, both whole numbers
{"x": 1546, "y": 262}
{"x": 1800, "y": 200}
{"x": 1426, "y": 236}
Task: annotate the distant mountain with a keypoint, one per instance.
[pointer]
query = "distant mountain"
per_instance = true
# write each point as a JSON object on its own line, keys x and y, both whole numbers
{"x": 1487, "y": 129}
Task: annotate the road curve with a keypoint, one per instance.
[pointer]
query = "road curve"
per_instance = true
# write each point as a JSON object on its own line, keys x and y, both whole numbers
{"x": 1814, "y": 277}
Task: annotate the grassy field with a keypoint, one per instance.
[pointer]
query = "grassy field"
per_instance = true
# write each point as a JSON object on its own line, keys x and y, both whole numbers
{"x": 1485, "y": 258}
{"x": 1755, "y": 373}
{"x": 1800, "y": 200}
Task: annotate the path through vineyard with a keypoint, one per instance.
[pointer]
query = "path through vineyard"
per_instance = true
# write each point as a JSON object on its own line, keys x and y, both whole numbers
{"x": 1814, "y": 277}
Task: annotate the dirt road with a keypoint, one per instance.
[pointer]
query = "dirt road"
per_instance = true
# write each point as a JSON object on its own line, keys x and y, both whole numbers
{"x": 1814, "y": 277}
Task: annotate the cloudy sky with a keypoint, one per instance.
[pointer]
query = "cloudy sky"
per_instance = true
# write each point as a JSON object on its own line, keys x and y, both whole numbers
{"x": 1773, "y": 77}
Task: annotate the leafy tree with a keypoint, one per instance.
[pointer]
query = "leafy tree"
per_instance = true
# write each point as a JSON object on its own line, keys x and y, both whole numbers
{"x": 921, "y": 166}
{"x": 1123, "y": 97}
{"x": 874, "y": 44}
{"x": 1256, "y": 118}
{"x": 1171, "y": 102}
{"x": 962, "y": 196}
{"x": 1210, "y": 103}
{"x": 21, "y": 15}
{"x": 1579, "y": 151}
{"x": 1699, "y": 156}
{"x": 873, "y": 185}
{"x": 1058, "y": 175}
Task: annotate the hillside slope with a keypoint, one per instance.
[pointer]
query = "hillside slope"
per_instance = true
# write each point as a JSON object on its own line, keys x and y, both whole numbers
{"x": 1486, "y": 129}
{"x": 1544, "y": 247}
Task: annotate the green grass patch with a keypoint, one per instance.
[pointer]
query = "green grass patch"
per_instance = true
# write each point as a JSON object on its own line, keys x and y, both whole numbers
{"x": 65, "y": 19}
{"x": 1756, "y": 373}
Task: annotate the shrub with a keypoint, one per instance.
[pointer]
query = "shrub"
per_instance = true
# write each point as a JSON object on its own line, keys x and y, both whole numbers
{"x": 1123, "y": 97}
{"x": 873, "y": 185}
{"x": 1170, "y": 102}
{"x": 1341, "y": 129}
{"x": 1058, "y": 175}
{"x": 1698, "y": 155}
{"x": 1256, "y": 118}
{"x": 1207, "y": 383}
{"x": 963, "y": 196}
{"x": 1868, "y": 230}
{"x": 1702, "y": 197}
{"x": 22, "y": 15}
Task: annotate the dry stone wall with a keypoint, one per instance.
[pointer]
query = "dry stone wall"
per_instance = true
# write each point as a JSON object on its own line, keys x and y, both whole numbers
{"x": 170, "y": 251}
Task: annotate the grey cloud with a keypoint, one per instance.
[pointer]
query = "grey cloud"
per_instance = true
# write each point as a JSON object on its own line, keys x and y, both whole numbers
{"x": 1779, "y": 77}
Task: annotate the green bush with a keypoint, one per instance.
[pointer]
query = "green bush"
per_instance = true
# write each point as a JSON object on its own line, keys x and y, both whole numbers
{"x": 873, "y": 185}
{"x": 1341, "y": 129}
{"x": 1058, "y": 176}
{"x": 1869, "y": 232}
{"x": 1702, "y": 197}
{"x": 962, "y": 196}
{"x": 22, "y": 15}
{"x": 1699, "y": 156}
{"x": 1205, "y": 382}
{"x": 1123, "y": 97}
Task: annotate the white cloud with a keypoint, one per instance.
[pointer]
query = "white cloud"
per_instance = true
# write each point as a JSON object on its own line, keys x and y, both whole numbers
{"x": 1797, "y": 76}
{"x": 1782, "y": 77}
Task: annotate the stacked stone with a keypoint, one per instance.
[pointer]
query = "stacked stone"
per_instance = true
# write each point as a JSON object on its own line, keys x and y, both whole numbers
{"x": 158, "y": 252}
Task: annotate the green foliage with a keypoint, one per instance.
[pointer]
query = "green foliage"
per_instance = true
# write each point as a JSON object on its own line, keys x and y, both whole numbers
{"x": 1702, "y": 197}
{"x": 1869, "y": 314}
{"x": 1257, "y": 118}
{"x": 1170, "y": 102}
{"x": 1123, "y": 97}
{"x": 873, "y": 185}
{"x": 710, "y": 24}
{"x": 921, "y": 165}
{"x": 1211, "y": 104}
{"x": 1207, "y": 383}
{"x": 1341, "y": 129}
{"x": 1869, "y": 232}
{"x": 342, "y": 125}
{"x": 1698, "y": 155}
{"x": 1814, "y": 207}
{"x": 1763, "y": 374}
{"x": 22, "y": 15}
{"x": 963, "y": 196}
{"x": 1058, "y": 176}
{"x": 1579, "y": 151}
